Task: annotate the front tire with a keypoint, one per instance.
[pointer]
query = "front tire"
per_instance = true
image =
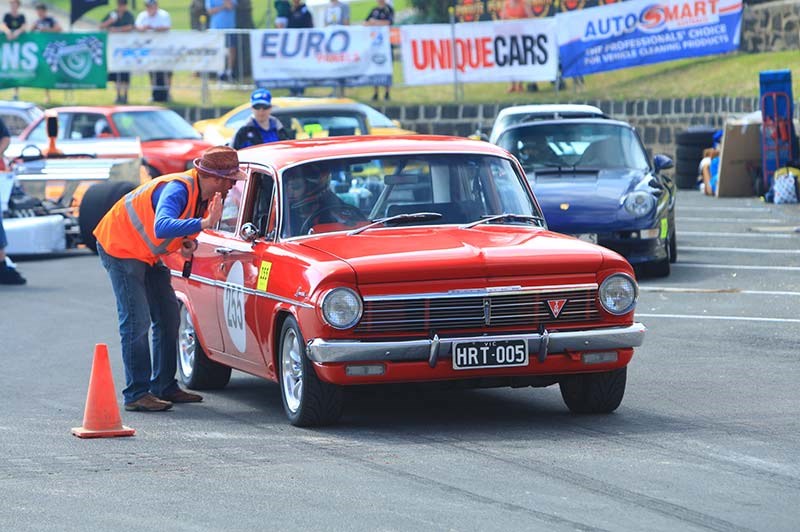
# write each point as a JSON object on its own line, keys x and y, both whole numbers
{"x": 594, "y": 393}
{"x": 307, "y": 400}
{"x": 195, "y": 369}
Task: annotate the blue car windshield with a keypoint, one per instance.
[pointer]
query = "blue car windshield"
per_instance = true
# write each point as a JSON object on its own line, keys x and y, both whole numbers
{"x": 579, "y": 144}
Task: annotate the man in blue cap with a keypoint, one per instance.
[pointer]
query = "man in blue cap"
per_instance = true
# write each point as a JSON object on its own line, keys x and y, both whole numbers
{"x": 262, "y": 127}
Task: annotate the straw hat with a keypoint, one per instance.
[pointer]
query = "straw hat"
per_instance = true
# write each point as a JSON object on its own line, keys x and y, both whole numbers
{"x": 220, "y": 161}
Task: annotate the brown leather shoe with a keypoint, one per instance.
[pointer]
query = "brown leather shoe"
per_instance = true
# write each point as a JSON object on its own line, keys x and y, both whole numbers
{"x": 148, "y": 403}
{"x": 181, "y": 396}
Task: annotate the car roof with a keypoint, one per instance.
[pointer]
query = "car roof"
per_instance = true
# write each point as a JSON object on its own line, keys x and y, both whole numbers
{"x": 15, "y": 104}
{"x": 327, "y": 106}
{"x": 562, "y": 121}
{"x": 550, "y": 109}
{"x": 292, "y": 152}
{"x": 106, "y": 108}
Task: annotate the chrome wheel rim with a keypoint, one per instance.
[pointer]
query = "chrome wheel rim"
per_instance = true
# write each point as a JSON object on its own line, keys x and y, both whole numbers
{"x": 187, "y": 343}
{"x": 292, "y": 370}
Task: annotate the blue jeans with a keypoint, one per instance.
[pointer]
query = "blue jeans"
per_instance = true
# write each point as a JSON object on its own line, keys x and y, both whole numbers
{"x": 145, "y": 298}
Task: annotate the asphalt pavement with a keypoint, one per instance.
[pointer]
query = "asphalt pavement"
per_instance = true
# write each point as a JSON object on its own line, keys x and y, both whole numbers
{"x": 706, "y": 437}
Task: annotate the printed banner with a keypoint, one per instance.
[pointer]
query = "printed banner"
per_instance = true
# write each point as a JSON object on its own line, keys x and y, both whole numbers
{"x": 520, "y": 50}
{"x": 641, "y": 32}
{"x": 193, "y": 51}
{"x": 54, "y": 61}
{"x": 475, "y": 10}
{"x": 335, "y": 55}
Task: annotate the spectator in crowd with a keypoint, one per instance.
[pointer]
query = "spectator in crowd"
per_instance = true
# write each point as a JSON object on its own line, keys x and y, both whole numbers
{"x": 381, "y": 15}
{"x": 161, "y": 216}
{"x": 222, "y": 16}
{"x": 13, "y": 26}
{"x": 8, "y": 271}
{"x": 282, "y": 11}
{"x": 117, "y": 21}
{"x": 198, "y": 16}
{"x": 262, "y": 127}
{"x": 155, "y": 19}
{"x": 299, "y": 17}
{"x": 44, "y": 23}
{"x": 709, "y": 166}
{"x": 337, "y": 13}
{"x": 516, "y": 9}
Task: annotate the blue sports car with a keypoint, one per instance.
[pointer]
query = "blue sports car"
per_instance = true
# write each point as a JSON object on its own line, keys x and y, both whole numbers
{"x": 594, "y": 180}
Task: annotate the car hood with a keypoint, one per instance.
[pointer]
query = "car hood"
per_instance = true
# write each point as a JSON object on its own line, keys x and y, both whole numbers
{"x": 449, "y": 252}
{"x": 585, "y": 201}
{"x": 184, "y": 149}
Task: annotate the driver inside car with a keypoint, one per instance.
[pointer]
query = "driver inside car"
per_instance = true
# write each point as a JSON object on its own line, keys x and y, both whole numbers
{"x": 311, "y": 201}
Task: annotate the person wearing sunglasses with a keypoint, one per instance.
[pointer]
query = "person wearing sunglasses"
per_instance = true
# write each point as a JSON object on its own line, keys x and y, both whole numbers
{"x": 161, "y": 216}
{"x": 262, "y": 126}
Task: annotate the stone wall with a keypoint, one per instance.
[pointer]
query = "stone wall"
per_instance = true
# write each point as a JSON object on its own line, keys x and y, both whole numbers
{"x": 771, "y": 27}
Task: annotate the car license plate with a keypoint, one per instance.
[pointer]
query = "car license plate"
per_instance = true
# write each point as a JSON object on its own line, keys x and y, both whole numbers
{"x": 587, "y": 237}
{"x": 490, "y": 354}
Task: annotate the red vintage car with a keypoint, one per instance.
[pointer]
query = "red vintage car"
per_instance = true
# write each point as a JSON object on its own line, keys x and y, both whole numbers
{"x": 365, "y": 260}
{"x": 169, "y": 143}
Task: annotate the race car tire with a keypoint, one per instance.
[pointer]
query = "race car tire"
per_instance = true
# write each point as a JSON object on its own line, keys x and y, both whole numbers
{"x": 195, "y": 370}
{"x": 594, "y": 393}
{"x": 673, "y": 248}
{"x": 307, "y": 400}
{"x": 97, "y": 201}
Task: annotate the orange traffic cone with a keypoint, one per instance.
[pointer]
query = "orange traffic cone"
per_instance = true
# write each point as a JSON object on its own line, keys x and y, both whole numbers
{"x": 101, "y": 417}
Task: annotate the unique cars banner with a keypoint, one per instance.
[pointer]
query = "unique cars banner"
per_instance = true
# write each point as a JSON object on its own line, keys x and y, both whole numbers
{"x": 520, "y": 50}
{"x": 642, "y": 32}
{"x": 335, "y": 55}
{"x": 54, "y": 61}
{"x": 190, "y": 51}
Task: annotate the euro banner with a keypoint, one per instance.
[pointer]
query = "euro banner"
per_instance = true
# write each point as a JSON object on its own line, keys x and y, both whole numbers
{"x": 335, "y": 55}
{"x": 54, "y": 61}
{"x": 480, "y": 52}
{"x": 79, "y": 7}
{"x": 641, "y": 32}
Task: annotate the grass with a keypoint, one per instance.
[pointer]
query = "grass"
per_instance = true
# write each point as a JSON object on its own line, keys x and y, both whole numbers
{"x": 732, "y": 75}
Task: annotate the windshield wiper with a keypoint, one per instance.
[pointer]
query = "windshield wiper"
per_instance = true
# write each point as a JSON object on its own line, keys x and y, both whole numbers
{"x": 487, "y": 218}
{"x": 399, "y": 218}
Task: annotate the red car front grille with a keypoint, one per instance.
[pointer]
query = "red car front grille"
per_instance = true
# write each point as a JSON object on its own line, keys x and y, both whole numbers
{"x": 525, "y": 310}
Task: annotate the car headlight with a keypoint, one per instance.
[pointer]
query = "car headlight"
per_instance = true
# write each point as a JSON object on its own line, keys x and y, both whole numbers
{"x": 618, "y": 294}
{"x": 341, "y": 308}
{"x": 639, "y": 203}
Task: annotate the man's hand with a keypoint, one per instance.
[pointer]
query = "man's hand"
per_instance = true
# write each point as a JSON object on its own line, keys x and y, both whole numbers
{"x": 214, "y": 212}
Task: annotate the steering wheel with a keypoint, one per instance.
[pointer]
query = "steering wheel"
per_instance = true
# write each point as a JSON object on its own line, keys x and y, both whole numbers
{"x": 348, "y": 212}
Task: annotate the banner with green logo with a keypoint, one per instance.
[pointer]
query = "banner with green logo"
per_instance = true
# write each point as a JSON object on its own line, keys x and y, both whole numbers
{"x": 54, "y": 61}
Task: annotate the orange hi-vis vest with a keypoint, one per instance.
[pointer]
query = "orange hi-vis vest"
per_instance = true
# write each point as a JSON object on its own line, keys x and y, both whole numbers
{"x": 127, "y": 231}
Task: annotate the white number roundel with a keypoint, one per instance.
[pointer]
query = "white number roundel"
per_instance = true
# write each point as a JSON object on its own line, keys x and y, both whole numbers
{"x": 233, "y": 303}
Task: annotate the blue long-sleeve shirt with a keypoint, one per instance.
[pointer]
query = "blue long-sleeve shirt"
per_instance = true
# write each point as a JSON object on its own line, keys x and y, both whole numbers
{"x": 169, "y": 201}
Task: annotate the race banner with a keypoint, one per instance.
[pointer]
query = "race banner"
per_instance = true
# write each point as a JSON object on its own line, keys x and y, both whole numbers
{"x": 54, "y": 61}
{"x": 335, "y": 55}
{"x": 193, "y": 51}
{"x": 641, "y": 32}
{"x": 519, "y": 50}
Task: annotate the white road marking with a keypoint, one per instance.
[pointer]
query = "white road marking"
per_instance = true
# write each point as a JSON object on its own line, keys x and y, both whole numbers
{"x": 740, "y": 250}
{"x": 738, "y": 235}
{"x": 687, "y": 290}
{"x": 729, "y": 220}
{"x": 736, "y": 266}
{"x": 723, "y": 209}
{"x": 710, "y": 317}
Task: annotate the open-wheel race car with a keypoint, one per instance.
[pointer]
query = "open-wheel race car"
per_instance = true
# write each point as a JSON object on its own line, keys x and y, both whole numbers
{"x": 54, "y": 194}
{"x": 441, "y": 270}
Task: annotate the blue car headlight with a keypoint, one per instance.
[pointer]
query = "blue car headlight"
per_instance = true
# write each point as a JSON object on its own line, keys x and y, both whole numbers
{"x": 639, "y": 203}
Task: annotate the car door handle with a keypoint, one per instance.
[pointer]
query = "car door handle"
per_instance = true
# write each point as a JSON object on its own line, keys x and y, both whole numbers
{"x": 223, "y": 251}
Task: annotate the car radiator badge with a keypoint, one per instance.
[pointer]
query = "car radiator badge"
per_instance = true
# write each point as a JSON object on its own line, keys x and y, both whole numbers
{"x": 556, "y": 306}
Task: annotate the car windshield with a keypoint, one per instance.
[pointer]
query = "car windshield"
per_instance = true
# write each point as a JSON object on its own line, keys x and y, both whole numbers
{"x": 161, "y": 124}
{"x": 564, "y": 144}
{"x": 345, "y": 194}
{"x": 375, "y": 117}
{"x": 307, "y": 124}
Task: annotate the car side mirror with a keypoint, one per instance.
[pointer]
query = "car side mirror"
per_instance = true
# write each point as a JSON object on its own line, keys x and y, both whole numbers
{"x": 248, "y": 232}
{"x": 52, "y": 126}
{"x": 662, "y": 162}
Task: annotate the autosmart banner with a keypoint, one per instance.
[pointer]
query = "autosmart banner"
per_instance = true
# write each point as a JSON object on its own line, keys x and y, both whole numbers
{"x": 642, "y": 32}
{"x": 192, "y": 51}
{"x": 54, "y": 61}
{"x": 520, "y": 50}
{"x": 334, "y": 55}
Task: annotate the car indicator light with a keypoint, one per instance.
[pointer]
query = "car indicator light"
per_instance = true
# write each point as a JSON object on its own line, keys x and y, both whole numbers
{"x": 365, "y": 370}
{"x": 603, "y": 357}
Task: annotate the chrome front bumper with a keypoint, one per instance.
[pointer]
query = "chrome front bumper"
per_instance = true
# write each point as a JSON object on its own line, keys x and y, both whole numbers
{"x": 324, "y": 351}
